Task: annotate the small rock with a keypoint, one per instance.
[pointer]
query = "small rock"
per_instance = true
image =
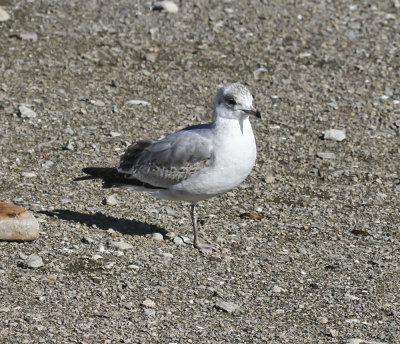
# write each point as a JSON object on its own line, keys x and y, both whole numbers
{"x": 137, "y": 102}
{"x": 178, "y": 241}
{"x": 157, "y": 236}
{"x": 269, "y": 179}
{"x": 148, "y": 303}
{"x": 276, "y": 289}
{"x": 335, "y": 135}
{"x": 96, "y": 257}
{"x": 68, "y": 131}
{"x": 167, "y": 255}
{"x": 260, "y": 74}
{"x": 69, "y": 146}
{"x": 167, "y": 6}
{"x": 149, "y": 312}
{"x": 228, "y": 307}
{"x": 29, "y": 36}
{"x": 28, "y": 174}
{"x": 88, "y": 240}
{"x": 323, "y": 320}
{"x": 25, "y": 112}
{"x": 98, "y": 103}
{"x": 110, "y": 200}
{"x": 120, "y": 245}
{"x": 170, "y": 236}
{"x": 326, "y": 155}
{"x": 17, "y": 224}
{"x": 333, "y": 333}
{"x": 351, "y": 297}
{"x": 114, "y": 134}
{"x": 34, "y": 261}
{"x": 355, "y": 341}
{"x": 4, "y": 16}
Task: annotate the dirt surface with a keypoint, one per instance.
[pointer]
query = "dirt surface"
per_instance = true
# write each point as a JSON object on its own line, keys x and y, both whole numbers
{"x": 320, "y": 266}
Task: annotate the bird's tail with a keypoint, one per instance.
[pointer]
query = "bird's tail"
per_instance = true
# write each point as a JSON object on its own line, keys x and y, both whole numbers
{"x": 112, "y": 178}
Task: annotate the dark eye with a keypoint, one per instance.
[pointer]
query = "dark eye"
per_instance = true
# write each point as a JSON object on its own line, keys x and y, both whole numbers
{"x": 231, "y": 101}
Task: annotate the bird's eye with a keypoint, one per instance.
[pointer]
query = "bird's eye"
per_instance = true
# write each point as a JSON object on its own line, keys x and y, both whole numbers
{"x": 231, "y": 101}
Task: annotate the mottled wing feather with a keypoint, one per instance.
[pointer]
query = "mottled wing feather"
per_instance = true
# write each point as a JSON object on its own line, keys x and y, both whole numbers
{"x": 169, "y": 161}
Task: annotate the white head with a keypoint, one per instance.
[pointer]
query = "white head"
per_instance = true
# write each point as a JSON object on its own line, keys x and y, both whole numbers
{"x": 234, "y": 101}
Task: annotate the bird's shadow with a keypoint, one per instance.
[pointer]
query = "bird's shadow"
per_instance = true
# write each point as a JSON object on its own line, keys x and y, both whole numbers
{"x": 104, "y": 222}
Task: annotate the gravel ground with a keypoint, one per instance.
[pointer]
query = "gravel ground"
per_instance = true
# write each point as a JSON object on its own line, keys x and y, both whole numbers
{"x": 320, "y": 266}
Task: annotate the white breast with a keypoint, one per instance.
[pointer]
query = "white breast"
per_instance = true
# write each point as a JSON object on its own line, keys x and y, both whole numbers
{"x": 234, "y": 155}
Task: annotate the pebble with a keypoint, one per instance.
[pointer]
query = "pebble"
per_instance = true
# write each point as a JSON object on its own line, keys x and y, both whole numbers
{"x": 157, "y": 236}
{"x": 276, "y": 288}
{"x": 137, "y": 102}
{"x": 98, "y": 103}
{"x": 178, "y": 241}
{"x": 335, "y": 135}
{"x": 69, "y": 146}
{"x": 167, "y": 255}
{"x": 333, "y": 333}
{"x": 25, "y": 112}
{"x": 28, "y": 174}
{"x": 88, "y": 240}
{"x": 114, "y": 134}
{"x": 228, "y": 307}
{"x": 68, "y": 131}
{"x": 17, "y": 224}
{"x": 34, "y": 261}
{"x": 120, "y": 245}
{"x": 29, "y": 36}
{"x": 96, "y": 257}
{"x": 323, "y": 320}
{"x": 110, "y": 200}
{"x": 260, "y": 74}
{"x": 4, "y": 16}
{"x": 167, "y": 6}
{"x": 326, "y": 155}
{"x": 362, "y": 341}
{"x": 269, "y": 179}
{"x": 149, "y": 303}
{"x": 150, "y": 312}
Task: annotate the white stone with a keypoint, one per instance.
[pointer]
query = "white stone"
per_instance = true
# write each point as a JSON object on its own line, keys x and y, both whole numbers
{"x": 111, "y": 200}
{"x": 17, "y": 224}
{"x": 335, "y": 135}
{"x": 228, "y": 307}
{"x": 34, "y": 261}
{"x": 28, "y": 174}
{"x": 120, "y": 245}
{"x": 260, "y": 74}
{"x": 326, "y": 155}
{"x": 168, "y": 6}
{"x": 137, "y": 102}
{"x": 149, "y": 303}
{"x": 29, "y": 36}
{"x": 25, "y": 112}
{"x": 4, "y": 15}
{"x": 157, "y": 236}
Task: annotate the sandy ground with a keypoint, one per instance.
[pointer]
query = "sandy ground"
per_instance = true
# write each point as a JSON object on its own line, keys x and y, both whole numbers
{"x": 321, "y": 266}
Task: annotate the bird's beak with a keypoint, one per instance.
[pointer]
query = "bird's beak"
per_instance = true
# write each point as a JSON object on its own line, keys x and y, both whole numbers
{"x": 253, "y": 112}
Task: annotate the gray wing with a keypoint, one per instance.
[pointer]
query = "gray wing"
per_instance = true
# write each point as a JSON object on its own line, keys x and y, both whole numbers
{"x": 171, "y": 160}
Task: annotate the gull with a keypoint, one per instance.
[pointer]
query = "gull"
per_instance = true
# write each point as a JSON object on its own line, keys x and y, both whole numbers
{"x": 195, "y": 163}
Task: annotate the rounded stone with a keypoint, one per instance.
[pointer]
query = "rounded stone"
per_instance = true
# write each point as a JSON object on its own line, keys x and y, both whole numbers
{"x": 17, "y": 224}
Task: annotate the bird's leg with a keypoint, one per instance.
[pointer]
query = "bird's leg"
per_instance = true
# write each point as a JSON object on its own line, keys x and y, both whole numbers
{"x": 204, "y": 248}
{"x": 193, "y": 215}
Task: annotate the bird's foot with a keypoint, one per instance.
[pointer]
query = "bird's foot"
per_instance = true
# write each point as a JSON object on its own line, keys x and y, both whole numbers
{"x": 206, "y": 248}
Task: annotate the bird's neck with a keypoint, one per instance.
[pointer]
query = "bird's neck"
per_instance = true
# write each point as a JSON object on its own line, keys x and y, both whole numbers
{"x": 223, "y": 124}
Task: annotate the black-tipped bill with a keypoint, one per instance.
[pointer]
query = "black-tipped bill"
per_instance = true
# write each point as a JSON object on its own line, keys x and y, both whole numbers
{"x": 253, "y": 112}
